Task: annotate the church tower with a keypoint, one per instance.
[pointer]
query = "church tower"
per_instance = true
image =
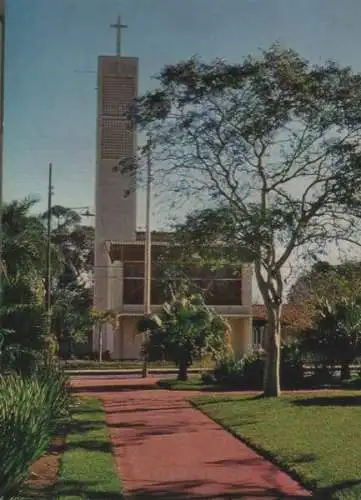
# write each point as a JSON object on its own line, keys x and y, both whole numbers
{"x": 115, "y": 197}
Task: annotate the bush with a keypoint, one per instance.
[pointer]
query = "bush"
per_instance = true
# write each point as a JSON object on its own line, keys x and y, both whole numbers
{"x": 19, "y": 360}
{"x": 229, "y": 371}
{"x": 253, "y": 369}
{"x": 208, "y": 378}
{"x": 247, "y": 372}
{"x": 291, "y": 370}
{"x": 30, "y": 411}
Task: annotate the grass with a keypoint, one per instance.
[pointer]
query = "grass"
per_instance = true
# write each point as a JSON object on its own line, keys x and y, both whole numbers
{"x": 77, "y": 364}
{"x": 87, "y": 468}
{"x": 316, "y": 436}
{"x": 192, "y": 384}
{"x": 195, "y": 383}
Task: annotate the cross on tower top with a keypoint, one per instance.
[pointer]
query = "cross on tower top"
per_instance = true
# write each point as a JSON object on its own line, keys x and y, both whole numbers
{"x": 119, "y": 26}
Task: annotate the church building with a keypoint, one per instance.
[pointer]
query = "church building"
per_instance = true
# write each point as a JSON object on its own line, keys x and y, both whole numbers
{"x": 119, "y": 248}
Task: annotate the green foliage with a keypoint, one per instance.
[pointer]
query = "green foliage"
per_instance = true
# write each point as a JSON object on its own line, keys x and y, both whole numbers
{"x": 149, "y": 322}
{"x": 71, "y": 318}
{"x": 71, "y": 292}
{"x": 27, "y": 321}
{"x": 30, "y": 411}
{"x": 24, "y": 262}
{"x": 247, "y": 372}
{"x": 253, "y": 370}
{"x": 23, "y": 241}
{"x": 229, "y": 371}
{"x": 208, "y": 378}
{"x": 291, "y": 369}
{"x": 323, "y": 281}
{"x": 24, "y": 246}
{"x": 18, "y": 359}
{"x": 336, "y": 337}
{"x": 189, "y": 330}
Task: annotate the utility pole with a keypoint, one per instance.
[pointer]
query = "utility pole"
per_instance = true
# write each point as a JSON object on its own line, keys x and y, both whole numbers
{"x": 2, "y": 83}
{"x": 48, "y": 253}
{"x": 147, "y": 251}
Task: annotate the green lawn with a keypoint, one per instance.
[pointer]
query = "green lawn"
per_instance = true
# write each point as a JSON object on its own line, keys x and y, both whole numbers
{"x": 87, "y": 467}
{"x": 315, "y": 436}
{"x": 79, "y": 364}
{"x": 193, "y": 384}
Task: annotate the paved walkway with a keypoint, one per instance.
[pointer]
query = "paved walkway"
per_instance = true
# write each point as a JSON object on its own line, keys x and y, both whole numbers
{"x": 166, "y": 449}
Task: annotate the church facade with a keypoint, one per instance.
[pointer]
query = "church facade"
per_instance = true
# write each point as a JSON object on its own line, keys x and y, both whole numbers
{"x": 228, "y": 293}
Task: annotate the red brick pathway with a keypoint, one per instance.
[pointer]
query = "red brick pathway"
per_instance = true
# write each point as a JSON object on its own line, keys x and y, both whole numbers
{"x": 166, "y": 449}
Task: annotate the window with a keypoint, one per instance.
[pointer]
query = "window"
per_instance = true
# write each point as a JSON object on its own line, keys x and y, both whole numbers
{"x": 133, "y": 270}
{"x": 258, "y": 332}
{"x": 133, "y": 292}
{"x": 225, "y": 292}
{"x": 217, "y": 291}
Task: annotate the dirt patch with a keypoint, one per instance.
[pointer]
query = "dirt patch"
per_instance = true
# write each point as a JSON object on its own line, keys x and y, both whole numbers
{"x": 44, "y": 472}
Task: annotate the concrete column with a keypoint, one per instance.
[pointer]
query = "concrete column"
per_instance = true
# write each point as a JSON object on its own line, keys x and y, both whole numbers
{"x": 247, "y": 271}
{"x": 247, "y": 335}
{"x": 115, "y": 300}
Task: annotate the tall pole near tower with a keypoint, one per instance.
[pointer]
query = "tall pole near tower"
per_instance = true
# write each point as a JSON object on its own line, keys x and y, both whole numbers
{"x": 119, "y": 27}
{"x": 147, "y": 249}
{"x": 48, "y": 253}
{"x": 2, "y": 81}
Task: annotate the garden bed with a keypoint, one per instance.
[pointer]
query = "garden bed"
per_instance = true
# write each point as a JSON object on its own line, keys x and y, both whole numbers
{"x": 44, "y": 472}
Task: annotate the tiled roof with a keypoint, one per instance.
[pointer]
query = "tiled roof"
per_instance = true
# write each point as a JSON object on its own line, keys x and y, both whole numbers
{"x": 292, "y": 315}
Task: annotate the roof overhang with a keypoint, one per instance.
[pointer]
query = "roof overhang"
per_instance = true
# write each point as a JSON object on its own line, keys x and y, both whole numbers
{"x": 130, "y": 250}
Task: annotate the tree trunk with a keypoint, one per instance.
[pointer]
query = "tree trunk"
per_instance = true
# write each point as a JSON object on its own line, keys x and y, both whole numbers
{"x": 271, "y": 382}
{"x": 183, "y": 369}
{"x": 345, "y": 370}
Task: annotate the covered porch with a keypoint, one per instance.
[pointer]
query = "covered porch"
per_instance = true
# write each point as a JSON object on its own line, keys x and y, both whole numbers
{"x": 128, "y": 342}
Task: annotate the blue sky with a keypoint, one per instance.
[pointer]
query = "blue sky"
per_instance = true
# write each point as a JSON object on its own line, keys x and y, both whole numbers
{"x": 50, "y": 107}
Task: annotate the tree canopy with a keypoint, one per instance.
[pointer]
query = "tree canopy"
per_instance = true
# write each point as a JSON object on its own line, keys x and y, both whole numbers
{"x": 24, "y": 244}
{"x": 323, "y": 281}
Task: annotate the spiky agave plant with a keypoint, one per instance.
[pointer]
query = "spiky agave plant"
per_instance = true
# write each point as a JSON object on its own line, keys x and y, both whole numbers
{"x": 30, "y": 411}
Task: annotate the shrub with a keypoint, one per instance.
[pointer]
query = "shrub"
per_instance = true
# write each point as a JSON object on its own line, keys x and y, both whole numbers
{"x": 208, "y": 378}
{"x": 185, "y": 330}
{"x": 30, "y": 411}
{"x": 229, "y": 370}
{"x": 19, "y": 360}
{"x": 291, "y": 371}
{"x": 248, "y": 371}
{"x": 253, "y": 369}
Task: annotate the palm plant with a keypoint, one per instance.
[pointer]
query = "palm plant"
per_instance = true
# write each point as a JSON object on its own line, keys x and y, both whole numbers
{"x": 186, "y": 330}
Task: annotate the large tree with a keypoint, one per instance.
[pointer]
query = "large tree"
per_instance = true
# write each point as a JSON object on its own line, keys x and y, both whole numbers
{"x": 270, "y": 147}
{"x": 336, "y": 336}
{"x": 23, "y": 272}
{"x": 72, "y": 287}
{"x": 329, "y": 281}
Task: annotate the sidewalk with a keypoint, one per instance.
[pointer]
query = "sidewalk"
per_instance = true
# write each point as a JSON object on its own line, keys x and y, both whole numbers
{"x": 166, "y": 449}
